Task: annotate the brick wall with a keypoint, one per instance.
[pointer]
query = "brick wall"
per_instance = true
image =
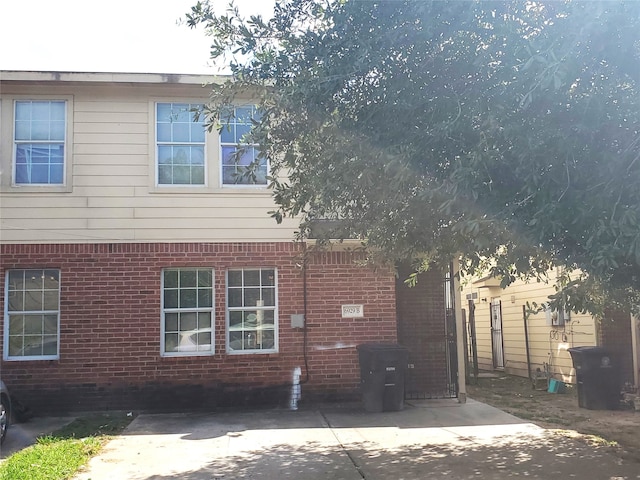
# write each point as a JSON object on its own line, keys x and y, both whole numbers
{"x": 110, "y": 328}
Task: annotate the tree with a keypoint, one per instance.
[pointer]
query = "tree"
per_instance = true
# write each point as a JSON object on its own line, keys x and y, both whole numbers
{"x": 506, "y": 131}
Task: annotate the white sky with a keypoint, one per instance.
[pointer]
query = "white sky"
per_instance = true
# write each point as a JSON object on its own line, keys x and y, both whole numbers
{"x": 141, "y": 36}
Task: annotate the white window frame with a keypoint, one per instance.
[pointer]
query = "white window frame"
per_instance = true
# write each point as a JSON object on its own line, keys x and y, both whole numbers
{"x": 8, "y": 147}
{"x": 257, "y": 308}
{"x": 170, "y": 143}
{"x": 228, "y": 125}
{"x": 185, "y": 341}
{"x": 49, "y": 312}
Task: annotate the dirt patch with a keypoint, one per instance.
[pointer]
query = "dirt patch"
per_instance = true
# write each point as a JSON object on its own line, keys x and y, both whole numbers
{"x": 616, "y": 429}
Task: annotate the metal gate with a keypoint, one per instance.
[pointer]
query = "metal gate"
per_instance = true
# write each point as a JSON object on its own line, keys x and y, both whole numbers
{"x": 427, "y": 327}
{"x": 497, "y": 345}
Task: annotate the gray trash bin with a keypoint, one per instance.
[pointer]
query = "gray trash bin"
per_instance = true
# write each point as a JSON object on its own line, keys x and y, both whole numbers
{"x": 382, "y": 376}
{"x": 598, "y": 378}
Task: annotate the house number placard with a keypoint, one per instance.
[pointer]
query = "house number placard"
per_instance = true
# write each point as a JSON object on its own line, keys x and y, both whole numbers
{"x": 352, "y": 311}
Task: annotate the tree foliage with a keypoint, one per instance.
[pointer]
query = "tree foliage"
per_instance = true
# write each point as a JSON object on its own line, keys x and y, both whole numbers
{"x": 507, "y": 131}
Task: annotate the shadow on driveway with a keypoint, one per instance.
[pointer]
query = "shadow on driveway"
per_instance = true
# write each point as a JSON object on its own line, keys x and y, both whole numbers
{"x": 427, "y": 440}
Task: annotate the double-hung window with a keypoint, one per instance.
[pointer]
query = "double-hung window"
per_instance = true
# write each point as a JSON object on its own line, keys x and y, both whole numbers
{"x": 187, "y": 311}
{"x": 39, "y": 142}
{"x": 180, "y": 144}
{"x": 32, "y": 314}
{"x": 252, "y": 316}
{"x": 242, "y": 163}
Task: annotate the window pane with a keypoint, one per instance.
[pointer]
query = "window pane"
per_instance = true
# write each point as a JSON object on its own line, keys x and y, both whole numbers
{"x": 16, "y": 345}
{"x": 188, "y": 321}
{"x": 23, "y": 130}
{"x": 205, "y": 278}
{"x": 50, "y": 346}
{"x": 188, "y": 298}
{"x": 267, "y": 277}
{"x": 56, "y": 174}
{"x": 16, "y": 301}
{"x": 16, "y": 279}
{"x": 235, "y": 297}
{"x": 251, "y": 278}
{"x": 181, "y": 175}
{"x": 16, "y": 324}
{"x": 34, "y": 279}
{"x": 235, "y": 278}
{"x": 204, "y": 298}
{"x": 251, "y": 297}
{"x": 181, "y": 132}
{"x": 269, "y": 297}
{"x": 164, "y": 133}
{"x": 171, "y": 299}
{"x": 227, "y": 134}
{"x": 197, "y": 132}
{"x": 188, "y": 278}
{"x": 58, "y": 111}
{"x": 170, "y": 279}
{"x": 33, "y": 300}
{"x": 33, "y": 325}
{"x": 170, "y": 342}
{"x": 50, "y": 325}
{"x": 57, "y": 130}
{"x": 51, "y": 300}
{"x": 171, "y": 322}
{"x": 23, "y": 110}
{"x": 165, "y": 175}
{"x": 204, "y": 320}
{"x": 235, "y": 320}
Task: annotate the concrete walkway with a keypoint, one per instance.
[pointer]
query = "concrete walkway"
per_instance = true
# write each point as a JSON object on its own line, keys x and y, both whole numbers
{"x": 430, "y": 439}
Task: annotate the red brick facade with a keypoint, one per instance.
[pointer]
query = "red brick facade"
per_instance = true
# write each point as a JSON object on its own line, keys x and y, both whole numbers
{"x": 110, "y": 324}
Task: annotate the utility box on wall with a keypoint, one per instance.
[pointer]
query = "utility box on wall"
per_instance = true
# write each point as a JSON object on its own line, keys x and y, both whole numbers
{"x": 556, "y": 318}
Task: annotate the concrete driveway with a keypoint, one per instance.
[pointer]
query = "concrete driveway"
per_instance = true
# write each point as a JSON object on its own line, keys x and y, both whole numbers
{"x": 430, "y": 439}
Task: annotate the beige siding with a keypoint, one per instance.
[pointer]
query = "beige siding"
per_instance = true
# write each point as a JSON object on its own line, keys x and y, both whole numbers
{"x": 112, "y": 195}
{"x": 547, "y": 344}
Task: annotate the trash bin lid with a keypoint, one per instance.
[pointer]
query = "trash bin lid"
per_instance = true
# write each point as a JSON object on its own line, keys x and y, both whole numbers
{"x": 588, "y": 350}
{"x": 380, "y": 347}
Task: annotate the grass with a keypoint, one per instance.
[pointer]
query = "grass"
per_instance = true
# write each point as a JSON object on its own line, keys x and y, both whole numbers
{"x": 59, "y": 456}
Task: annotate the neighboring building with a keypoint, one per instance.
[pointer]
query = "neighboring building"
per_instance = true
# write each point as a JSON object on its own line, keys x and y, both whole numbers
{"x": 501, "y": 338}
{"x": 138, "y": 270}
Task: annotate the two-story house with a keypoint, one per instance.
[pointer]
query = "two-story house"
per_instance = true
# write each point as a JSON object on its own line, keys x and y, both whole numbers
{"x": 140, "y": 269}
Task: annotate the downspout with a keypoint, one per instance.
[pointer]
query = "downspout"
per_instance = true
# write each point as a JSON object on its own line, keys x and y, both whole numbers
{"x": 305, "y": 332}
{"x": 635, "y": 348}
{"x": 526, "y": 339}
{"x": 462, "y": 386}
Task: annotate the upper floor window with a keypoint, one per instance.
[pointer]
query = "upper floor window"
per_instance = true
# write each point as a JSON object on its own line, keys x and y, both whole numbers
{"x": 39, "y": 139}
{"x": 180, "y": 143}
{"x": 32, "y": 314}
{"x": 242, "y": 163}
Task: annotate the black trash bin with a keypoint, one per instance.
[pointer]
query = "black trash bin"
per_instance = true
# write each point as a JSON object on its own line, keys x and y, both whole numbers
{"x": 382, "y": 376}
{"x": 598, "y": 378}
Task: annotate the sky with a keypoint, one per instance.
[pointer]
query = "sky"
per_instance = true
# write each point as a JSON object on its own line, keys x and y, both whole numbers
{"x": 137, "y": 36}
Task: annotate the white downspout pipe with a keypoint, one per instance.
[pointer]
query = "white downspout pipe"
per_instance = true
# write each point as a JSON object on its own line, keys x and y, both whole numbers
{"x": 462, "y": 374}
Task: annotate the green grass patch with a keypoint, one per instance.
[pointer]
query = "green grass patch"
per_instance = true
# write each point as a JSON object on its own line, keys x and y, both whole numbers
{"x": 59, "y": 456}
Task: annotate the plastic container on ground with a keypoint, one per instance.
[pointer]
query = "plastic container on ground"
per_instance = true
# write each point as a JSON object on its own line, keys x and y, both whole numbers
{"x": 382, "y": 376}
{"x": 598, "y": 378}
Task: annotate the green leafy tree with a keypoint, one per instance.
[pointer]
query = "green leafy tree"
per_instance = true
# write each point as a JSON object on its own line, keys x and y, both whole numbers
{"x": 505, "y": 131}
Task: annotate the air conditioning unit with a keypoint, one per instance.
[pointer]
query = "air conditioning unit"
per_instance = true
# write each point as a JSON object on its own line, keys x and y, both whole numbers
{"x": 556, "y": 318}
